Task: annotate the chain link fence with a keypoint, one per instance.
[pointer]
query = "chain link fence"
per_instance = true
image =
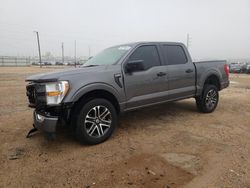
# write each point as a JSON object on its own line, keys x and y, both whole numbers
{"x": 6, "y": 61}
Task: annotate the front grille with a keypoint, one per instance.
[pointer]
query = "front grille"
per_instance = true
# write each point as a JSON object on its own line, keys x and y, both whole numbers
{"x": 36, "y": 94}
{"x": 31, "y": 93}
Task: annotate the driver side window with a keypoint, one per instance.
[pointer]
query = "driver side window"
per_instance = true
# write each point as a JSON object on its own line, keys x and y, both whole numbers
{"x": 148, "y": 55}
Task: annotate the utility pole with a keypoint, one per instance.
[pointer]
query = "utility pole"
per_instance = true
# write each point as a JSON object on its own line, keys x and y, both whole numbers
{"x": 39, "y": 50}
{"x": 62, "y": 53}
{"x": 188, "y": 41}
{"x": 75, "y": 53}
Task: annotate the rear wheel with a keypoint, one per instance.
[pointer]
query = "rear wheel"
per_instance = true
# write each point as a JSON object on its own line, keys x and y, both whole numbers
{"x": 96, "y": 121}
{"x": 209, "y": 99}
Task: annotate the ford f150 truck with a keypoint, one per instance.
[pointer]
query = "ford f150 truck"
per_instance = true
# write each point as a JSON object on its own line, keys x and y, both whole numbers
{"x": 125, "y": 77}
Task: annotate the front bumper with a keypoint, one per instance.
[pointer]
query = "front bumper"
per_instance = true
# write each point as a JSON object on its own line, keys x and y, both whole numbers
{"x": 45, "y": 123}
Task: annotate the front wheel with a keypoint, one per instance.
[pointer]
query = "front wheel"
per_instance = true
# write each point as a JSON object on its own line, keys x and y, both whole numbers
{"x": 209, "y": 99}
{"x": 96, "y": 121}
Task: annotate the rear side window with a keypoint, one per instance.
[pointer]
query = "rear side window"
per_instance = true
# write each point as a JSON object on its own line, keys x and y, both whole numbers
{"x": 148, "y": 54}
{"x": 174, "y": 54}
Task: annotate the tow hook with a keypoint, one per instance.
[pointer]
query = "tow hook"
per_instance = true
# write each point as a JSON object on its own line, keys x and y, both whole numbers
{"x": 31, "y": 131}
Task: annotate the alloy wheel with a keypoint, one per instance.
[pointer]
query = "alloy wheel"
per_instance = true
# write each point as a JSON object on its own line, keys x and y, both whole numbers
{"x": 98, "y": 121}
{"x": 211, "y": 99}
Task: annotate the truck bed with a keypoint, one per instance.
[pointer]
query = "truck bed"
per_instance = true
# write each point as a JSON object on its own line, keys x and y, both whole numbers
{"x": 206, "y": 68}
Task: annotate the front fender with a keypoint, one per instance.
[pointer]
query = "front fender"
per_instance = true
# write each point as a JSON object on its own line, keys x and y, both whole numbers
{"x": 92, "y": 87}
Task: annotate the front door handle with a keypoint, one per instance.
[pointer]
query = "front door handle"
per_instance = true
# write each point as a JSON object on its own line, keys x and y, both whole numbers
{"x": 159, "y": 74}
{"x": 189, "y": 70}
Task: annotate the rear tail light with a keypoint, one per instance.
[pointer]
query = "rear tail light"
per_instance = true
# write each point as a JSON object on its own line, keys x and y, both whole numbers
{"x": 226, "y": 69}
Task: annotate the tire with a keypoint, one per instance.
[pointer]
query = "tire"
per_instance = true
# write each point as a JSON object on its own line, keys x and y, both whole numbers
{"x": 95, "y": 121}
{"x": 207, "y": 103}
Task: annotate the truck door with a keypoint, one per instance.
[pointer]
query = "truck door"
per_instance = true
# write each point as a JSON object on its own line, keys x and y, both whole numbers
{"x": 144, "y": 77}
{"x": 180, "y": 70}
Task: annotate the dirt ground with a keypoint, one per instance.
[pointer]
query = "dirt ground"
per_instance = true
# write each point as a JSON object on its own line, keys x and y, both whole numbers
{"x": 170, "y": 145}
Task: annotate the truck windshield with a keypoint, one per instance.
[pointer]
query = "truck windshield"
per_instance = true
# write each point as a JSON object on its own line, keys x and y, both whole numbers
{"x": 108, "y": 56}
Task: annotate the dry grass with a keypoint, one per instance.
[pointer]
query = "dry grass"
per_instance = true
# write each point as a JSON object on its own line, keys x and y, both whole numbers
{"x": 168, "y": 145}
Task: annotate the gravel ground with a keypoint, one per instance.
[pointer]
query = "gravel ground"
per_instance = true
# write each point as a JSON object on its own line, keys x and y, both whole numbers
{"x": 170, "y": 145}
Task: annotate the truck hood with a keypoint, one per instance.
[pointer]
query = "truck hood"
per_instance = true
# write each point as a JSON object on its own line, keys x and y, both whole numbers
{"x": 64, "y": 74}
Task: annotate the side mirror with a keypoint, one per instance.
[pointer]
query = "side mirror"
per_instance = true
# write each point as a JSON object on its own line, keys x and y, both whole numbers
{"x": 134, "y": 66}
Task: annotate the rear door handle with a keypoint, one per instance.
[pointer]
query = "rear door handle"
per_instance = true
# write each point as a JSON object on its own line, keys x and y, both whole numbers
{"x": 159, "y": 74}
{"x": 189, "y": 70}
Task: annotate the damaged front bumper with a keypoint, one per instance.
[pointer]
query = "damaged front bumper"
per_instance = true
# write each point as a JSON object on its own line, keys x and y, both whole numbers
{"x": 45, "y": 122}
{"x": 48, "y": 118}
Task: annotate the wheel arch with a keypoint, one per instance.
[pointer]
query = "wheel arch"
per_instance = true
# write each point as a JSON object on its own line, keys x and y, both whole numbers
{"x": 83, "y": 96}
{"x": 213, "y": 79}
{"x": 211, "y": 76}
{"x": 98, "y": 93}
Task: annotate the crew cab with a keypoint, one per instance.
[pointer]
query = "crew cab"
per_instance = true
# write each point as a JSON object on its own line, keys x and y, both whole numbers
{"x": 121, "y": 78}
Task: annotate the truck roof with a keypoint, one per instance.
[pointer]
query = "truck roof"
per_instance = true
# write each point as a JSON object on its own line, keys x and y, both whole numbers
{"x": 160, "y": 42}
{"x": 151, "y": 42}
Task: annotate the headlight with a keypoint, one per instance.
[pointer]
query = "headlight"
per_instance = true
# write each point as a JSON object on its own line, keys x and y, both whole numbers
{"x": 55, "y": 92}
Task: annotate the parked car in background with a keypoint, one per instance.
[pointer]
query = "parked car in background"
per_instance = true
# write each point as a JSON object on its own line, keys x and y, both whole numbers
{"x": 243, "y": 67}
{"x": 71, "y": 63}
{"x": 59, "y": 63}
{"x": 47, "y": 63}
{"x": 37, "y": 63}
{"x": 235, "y": 68}
{"x": 248, "y": 69}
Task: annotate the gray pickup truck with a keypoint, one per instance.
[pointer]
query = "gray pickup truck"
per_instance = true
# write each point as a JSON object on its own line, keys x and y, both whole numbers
{"x": 122, "y": 78}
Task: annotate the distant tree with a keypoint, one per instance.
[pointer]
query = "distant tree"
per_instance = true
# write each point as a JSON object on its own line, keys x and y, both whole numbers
{"x": 48, "y": 55}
